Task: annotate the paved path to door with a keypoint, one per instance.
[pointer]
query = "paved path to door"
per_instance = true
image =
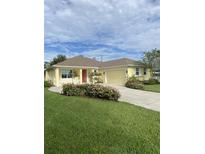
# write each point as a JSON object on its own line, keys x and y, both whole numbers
{"x": 149, "y": 100}
{"x": 55, "y": 89}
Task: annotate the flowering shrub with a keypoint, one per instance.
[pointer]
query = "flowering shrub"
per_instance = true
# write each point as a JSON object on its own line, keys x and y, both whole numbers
{"x": 103, "y": 92}
{"x": 91, "y": 90}
{"x": 134, "y": 83}
{"x": 72, "y": 90}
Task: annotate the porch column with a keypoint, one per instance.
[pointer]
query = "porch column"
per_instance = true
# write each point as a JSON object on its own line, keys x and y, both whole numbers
{"x": 57, "y": 76}
{"x": 105, "y": 77}
{"x": 80, "y": 76}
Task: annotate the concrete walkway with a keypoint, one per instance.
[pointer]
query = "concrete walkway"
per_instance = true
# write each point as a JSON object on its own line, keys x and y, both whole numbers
{"x": 55, "y": 89}
{"x": 149, "y": 100}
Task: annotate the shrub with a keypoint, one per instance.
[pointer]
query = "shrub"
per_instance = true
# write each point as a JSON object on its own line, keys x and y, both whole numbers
{"x": 151, "y": 81}
{"x": 72, "y": 90}
{"x": 99, "y": 91}
{"x": 48, "y": 84}
{"x": 134, "y": 83}
{"x": 91, "y": 90}
{"x": 98, "y": 80}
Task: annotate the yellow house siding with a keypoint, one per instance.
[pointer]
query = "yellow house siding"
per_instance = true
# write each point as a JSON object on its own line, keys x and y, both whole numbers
{"x": 148, "y": 75}
{"x": 50, "y": 76}
{"x": 115, "y": 75}
{"x": 132, "y": 72}
{"x": 46, "y": 77}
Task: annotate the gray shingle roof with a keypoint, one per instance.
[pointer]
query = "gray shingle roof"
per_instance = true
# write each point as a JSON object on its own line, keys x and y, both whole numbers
{"x": 79, "y": 61}
{"x": 88, "y": 62}
{"x": 122, "y": 62}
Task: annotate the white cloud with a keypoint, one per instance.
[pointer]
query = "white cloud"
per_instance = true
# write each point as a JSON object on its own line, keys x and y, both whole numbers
{"x": 130, "y": 24}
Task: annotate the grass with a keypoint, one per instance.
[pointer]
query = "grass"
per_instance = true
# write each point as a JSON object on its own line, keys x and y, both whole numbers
{"x": 79, "y": 125}
{"x": 153, "y": 88}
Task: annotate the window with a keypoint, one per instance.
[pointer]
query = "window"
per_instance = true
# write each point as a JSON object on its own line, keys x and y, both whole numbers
{"x": 145, "y": 71}
{"x": 66, "y": 73}
{"x": 137, "y": 71}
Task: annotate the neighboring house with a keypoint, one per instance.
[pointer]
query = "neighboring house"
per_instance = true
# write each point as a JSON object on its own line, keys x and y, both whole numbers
{"x": 113, "y": 72}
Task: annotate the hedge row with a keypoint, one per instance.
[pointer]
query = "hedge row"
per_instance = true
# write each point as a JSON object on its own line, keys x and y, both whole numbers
{"x": 91, "y": 90}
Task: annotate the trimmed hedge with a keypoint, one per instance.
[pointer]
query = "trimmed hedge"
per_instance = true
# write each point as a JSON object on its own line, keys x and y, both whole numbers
{"x": 134, "y": 83}
{"x": 47, "y": 84}
{"x": 91, "y": 90}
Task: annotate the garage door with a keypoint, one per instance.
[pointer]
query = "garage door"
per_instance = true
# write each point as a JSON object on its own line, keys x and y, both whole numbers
{"x": 116, "y": 77}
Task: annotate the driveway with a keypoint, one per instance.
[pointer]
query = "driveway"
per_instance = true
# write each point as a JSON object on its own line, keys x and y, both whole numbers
{"x": 149, "y": 100}
{"x": 146, "y": 99}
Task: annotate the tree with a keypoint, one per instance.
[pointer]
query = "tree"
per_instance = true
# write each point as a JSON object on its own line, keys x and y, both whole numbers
{"x": 57, "y": 59}
{"x": 46, "y": 65}
{"x": 152, "y": 59}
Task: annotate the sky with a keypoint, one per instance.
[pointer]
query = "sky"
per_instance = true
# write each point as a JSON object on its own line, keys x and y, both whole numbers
{"x": 107, "y": 29}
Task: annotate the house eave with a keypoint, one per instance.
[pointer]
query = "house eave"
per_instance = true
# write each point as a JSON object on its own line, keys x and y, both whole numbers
{"x": 129, "y": 65}
{"x": 62, "y": 66}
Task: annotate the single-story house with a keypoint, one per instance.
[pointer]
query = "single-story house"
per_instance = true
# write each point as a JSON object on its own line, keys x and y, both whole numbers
{"x": 112, "y": 72}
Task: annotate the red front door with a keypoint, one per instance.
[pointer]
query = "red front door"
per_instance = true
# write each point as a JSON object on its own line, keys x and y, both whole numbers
{"x": 84, "y": 75}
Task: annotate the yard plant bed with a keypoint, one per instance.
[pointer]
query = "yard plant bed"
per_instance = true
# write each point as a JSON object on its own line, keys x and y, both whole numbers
{"x": 85, "y": 125}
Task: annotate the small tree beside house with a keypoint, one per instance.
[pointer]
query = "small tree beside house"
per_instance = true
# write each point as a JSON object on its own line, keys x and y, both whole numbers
{"x": 95, "y": 77}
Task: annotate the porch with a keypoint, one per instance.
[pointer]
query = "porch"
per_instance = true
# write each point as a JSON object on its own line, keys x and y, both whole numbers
{"x": 72, "y": 75}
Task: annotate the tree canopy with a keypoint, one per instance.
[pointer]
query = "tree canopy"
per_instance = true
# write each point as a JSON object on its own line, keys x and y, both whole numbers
{"x": 57, "y": 59}
{"x": 152, "y": 59}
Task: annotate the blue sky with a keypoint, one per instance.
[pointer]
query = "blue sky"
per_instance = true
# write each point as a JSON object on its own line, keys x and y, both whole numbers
{"x": 101, "y": 28}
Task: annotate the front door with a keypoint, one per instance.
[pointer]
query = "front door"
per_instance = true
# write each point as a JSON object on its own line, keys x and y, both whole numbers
{"x": 84, "y": 75}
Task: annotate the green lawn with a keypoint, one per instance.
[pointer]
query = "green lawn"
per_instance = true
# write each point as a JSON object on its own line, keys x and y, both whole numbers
{"x": 79, "y": 125}
{"x": 154, "y": 88}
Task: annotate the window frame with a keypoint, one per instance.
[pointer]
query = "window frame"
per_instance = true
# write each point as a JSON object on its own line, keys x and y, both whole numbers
{"x": 66, "y": 73}
{"x": 145, "y": 71}
{"x": 137, "y": 71}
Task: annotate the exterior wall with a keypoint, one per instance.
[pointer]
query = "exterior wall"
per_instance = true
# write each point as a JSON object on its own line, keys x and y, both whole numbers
{"x": 141, "y": 76}
{"x": 117, "y": 75}
{"x": 148, "y": 75}
{"x": 50, "y": 75}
